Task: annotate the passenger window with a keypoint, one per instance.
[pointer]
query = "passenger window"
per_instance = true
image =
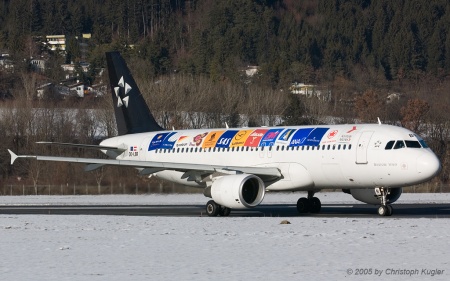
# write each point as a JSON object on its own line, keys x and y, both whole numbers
{"x": 339, "y": 147}
{"x": 399, "y": 144}
{"x": 389, "y": 145}
{"x": 349, "y": 146}
{"x": 412, "y": 144}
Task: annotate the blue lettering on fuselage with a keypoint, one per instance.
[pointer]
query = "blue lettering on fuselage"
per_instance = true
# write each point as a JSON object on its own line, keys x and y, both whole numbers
{"x": 225, "y": 139}
{"x": 300, "y": 137}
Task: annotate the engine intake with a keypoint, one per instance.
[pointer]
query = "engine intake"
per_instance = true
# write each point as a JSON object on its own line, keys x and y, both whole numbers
{"x": 238, "y": 191}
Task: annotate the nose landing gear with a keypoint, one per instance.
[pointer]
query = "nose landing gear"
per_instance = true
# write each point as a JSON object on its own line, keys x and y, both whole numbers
{"x": 385, "y": 209}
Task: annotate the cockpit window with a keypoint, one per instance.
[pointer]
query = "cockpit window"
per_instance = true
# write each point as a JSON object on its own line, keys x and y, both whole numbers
{"x": 412, "y": 144}
{"x": 399, "y": 144}
{"x": 421, "y": 141}
{"x": 389, "y": 145}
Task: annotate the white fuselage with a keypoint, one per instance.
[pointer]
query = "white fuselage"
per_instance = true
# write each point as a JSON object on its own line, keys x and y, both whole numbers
{"x": 308, "y": 157}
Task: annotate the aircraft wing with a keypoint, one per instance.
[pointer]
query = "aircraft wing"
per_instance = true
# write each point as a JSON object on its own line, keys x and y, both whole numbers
{"x": 87, "y": 146}
{"x": 152, "y": 166}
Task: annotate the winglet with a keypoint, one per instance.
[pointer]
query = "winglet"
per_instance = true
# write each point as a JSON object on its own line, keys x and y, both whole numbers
{"x": 13, "y": 156}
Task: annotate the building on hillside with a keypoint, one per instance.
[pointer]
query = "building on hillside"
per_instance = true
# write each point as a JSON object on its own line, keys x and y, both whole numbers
{"x": 251, "y": 70}
{"x": 38, "y": 65}
{"x": 55, "y": 42}
{"x": 59, "y": 42}
{"x": 310, "y": 90}
{"x": 391, "y": 97}
{"x": 6, "y": 63}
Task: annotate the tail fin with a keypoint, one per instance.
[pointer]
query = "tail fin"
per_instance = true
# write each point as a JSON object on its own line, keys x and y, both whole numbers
{"x": 131, "y": 111}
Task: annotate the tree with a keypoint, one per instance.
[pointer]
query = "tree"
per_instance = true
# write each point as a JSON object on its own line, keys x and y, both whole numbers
{"x": 414, "y": 113}
{"x": 369, "y": 106}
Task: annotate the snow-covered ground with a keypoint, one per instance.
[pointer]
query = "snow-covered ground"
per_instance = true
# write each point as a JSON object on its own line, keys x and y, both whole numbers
{"x": 35, "y": 247}
{"x": 199, "y": 199}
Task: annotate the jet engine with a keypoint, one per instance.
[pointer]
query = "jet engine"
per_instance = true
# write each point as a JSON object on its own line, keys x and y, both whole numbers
{"x": 368, "y": 196}
{"x": 238, "y": 191}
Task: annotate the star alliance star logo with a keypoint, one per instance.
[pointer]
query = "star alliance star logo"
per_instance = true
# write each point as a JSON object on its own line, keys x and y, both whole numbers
{"x": 127, "y": 88}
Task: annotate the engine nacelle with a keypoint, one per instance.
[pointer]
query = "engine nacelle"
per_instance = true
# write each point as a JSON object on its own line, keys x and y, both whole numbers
{"x": 368, "y": 196}
{"x": 238, "y": 191}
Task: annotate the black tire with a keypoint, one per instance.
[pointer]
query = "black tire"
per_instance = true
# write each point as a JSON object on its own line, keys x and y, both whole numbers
{"x": 390, "y": 210}
{"x": 315, "y": 205}
{"x": 224, "y": 211}
{"x": 303, "y": 205}
{"x": 212, "y": 208}
{"x": 383, "y": 211}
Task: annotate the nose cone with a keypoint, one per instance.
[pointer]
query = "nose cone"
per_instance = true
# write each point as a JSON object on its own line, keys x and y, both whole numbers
{"x": 428, "y": 165}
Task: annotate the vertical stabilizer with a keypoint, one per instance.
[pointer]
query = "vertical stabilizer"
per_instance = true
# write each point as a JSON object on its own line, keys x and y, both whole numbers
{"x": 131, "y": 111}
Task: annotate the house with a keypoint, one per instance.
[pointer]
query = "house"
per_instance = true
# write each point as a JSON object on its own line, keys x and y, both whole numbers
{"x": 310, "y": 90}
{"x": 6, "y": 63}
{"x": 38, "y": 65}
{"x": 55, "y": 42}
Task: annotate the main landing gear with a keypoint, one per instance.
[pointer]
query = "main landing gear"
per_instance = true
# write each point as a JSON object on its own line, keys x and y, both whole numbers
{"x": 385, "y": 209}
{"x": 309, "y": 205}
{"x": 213, "y": 209}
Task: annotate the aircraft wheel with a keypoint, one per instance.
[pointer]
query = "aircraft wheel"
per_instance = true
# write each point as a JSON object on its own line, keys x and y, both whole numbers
{"x": 315, "y": 205}
{"x": 212, "y": 208}
{"x": 224, "y": 211}
{"x": 303, "y": 205}
{"x": 390, "y": 210}
{"x": 383, "y": 211}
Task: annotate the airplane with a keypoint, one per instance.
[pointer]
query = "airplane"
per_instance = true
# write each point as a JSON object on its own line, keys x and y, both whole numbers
{"x": 235, "y": 167}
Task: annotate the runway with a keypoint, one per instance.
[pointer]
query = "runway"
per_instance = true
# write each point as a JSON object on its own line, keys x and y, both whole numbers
{"x": 264, "y": 210}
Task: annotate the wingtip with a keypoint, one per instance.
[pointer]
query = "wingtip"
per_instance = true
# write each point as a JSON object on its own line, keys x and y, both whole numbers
{"x": 13, "y": 156}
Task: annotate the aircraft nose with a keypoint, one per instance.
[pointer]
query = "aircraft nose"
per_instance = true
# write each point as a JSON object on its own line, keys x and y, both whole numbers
{"x": 428, "y": 165}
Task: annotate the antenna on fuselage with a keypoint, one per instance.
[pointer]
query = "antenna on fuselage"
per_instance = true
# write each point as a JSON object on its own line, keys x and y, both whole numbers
{"x": 379, "y": 121}
{"x": 226, "y": 125}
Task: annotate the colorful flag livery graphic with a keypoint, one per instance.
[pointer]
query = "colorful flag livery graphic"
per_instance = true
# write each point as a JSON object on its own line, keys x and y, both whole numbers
{"x": 270, "y": 137}
{"x": 225, "y": 139}
{"x": 255, "y": 137}
{"x": 211, "y": 139}
{"x": 300, "y": 136}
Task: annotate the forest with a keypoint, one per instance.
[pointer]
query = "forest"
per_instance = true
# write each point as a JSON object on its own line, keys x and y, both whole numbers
{"x": 188, "y": 57}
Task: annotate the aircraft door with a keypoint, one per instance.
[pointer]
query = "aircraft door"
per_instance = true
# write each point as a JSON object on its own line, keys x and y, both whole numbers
{"x": 361, "y": 148}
